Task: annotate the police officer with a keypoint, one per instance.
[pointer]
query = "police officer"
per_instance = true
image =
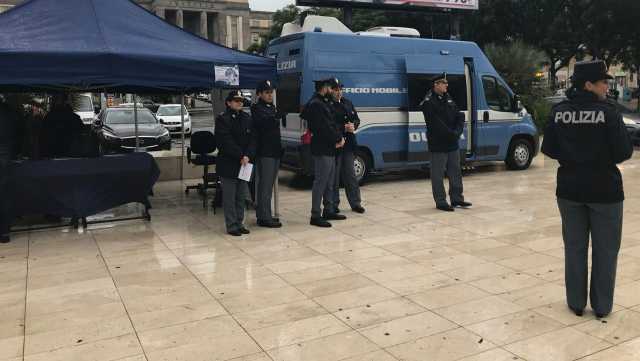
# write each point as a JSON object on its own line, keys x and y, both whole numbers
{"x": 445, "y": 124}
{"x": 325, "y": 139}
{"x": 588, "y": 138}
{"x": 236, "y": 147}
{"x": 7, "y": 135}
{"x": 347, "y": 121}
{"x": 266, "y": 120}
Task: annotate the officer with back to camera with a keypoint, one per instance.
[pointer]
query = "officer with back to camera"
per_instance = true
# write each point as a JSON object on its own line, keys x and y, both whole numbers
{"x": 586, "y": 135}
{"x": 445, "y": 124}
{"x": 236, "y": 147}
{"x": 266, "y": 121}
{"x": 325, "y": 139}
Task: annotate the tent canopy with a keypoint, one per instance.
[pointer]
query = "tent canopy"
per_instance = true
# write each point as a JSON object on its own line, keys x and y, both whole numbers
{"x": 112, "y": 44}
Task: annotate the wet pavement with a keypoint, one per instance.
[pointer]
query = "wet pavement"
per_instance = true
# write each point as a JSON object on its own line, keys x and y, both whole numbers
{"x": 401, "y": 282}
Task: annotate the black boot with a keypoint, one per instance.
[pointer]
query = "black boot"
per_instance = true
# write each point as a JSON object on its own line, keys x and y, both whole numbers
{"x": 334, "y": 217}
{"x": 445, "y": 207}
{"x": 319, "y": 222}
{"x": 5, "y": 238}
{"x": 462, "y": 204}
{"x": 578, "y": 311}
{"x": 358, "y": 209}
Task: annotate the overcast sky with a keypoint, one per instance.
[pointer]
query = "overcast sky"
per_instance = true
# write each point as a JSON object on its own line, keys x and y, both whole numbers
{"x": 269, "y": 5}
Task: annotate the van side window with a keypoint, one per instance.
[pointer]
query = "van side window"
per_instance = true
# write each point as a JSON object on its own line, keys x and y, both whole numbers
{"x": 288, "y": 93}
{"x": 420, "y": 84}
{"x": 498, "y": 97}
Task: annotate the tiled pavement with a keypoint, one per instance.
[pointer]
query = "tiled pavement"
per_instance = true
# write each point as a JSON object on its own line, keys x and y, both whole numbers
{"x": 401, "y": 282}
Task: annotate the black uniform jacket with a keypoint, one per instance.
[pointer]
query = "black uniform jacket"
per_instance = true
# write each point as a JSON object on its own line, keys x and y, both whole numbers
{"x": 588, "y": 138}
{"x": 445, "y": 122}
{"x": 319, "y": 113}
{"x": 235, "y": 138}
{"x": 346, "y": 113}
{"x": 266, "y": 121}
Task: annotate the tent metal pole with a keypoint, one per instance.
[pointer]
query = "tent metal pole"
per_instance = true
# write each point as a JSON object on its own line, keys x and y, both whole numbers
{"x": 135, "y": 121}
{"x": 183, "y": 142}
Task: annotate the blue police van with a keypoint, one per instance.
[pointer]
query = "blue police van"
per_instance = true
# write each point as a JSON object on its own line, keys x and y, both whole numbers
{"x": 387, "y": 77}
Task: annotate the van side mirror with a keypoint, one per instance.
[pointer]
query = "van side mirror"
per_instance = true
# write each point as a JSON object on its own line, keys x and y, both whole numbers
{"x": 517, "y": 104}
{"x": 96, "y": 109}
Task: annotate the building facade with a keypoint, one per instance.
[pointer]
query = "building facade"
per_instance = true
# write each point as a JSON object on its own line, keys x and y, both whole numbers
{"x": 226, "y": 22}
{"x": 260, "y": 24}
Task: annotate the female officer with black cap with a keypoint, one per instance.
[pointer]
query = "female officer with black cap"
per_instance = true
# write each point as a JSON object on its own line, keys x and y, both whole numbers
{"x": 588, "y": 138}
{"x": 236, "y": 147}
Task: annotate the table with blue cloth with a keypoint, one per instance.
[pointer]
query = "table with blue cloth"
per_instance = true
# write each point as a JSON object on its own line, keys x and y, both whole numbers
{"x": 79, "y": 188}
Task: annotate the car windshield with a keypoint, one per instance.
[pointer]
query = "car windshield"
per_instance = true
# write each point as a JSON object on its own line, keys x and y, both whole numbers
{"x": 125, "y": 116}
{"x": 170, "y": 111}
{"x": 82, "y": 103}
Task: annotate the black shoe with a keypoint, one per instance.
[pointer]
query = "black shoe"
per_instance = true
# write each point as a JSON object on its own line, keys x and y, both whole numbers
{"x": 578, "y": 311}
{"x": 235, "y": 233}
{"x": 601, "y": 315}
{"x": 276, "y": 219}
{"x": 445, "y": 207}
{"x": 244, "y": 230}
{"x": 5, "y": 239}
{"x": 334, "y": 217}
{"x": 462, "y": 204}
{"x": 358, "y": 209}
{"x": 320, "y": 222}
{"x": 269, "y": 224}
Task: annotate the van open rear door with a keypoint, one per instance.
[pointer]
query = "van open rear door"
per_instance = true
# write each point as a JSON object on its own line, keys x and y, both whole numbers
{"x": 420, "y": 70}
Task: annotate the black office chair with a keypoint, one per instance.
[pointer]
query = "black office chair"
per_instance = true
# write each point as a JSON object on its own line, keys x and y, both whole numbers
{"x": 199, "y": 153}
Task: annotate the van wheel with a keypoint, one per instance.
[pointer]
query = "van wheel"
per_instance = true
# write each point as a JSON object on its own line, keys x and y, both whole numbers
{"x": 520, "y": 154}
{"x": 362, "y": 166}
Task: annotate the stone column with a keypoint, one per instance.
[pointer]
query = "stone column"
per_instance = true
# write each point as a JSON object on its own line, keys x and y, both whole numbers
{"x": 160, "y": 12}
{"x": 229, "y": 34}
{"x": 204, "y": 26}
{"x": 180, "y": 18}
{"x": 240, "y": 34}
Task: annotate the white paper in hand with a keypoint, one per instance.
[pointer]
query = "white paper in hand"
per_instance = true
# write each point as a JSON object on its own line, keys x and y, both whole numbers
{"x": 245, "y": 172}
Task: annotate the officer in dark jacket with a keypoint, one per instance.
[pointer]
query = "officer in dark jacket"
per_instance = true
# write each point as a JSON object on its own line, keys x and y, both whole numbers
{"x": 7, "y": 138}
{"x": 266, "y": 120}
{"x": 319, "y": 114}
{"x": 347, "y": 121}
{"x": 588, "y": 138}
{"x": 445, "y": 124}
{"x": 236, "y": 147}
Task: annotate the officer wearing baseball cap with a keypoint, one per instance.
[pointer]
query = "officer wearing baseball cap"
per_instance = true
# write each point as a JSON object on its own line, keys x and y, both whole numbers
{"x": 326, "y": 138}
{"x": 586, "y": 135}
{"x": 445, "y": 124}
{"x": 266, "y": 120}
{"x": 236, "y": 147}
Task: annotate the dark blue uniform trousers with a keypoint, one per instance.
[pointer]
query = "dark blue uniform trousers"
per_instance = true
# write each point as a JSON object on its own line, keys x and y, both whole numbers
{"x": 603, "y": 221}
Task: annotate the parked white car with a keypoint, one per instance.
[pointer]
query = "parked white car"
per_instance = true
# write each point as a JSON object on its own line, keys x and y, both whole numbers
{"x": 83, "y": 107}
{"x": 169, "y": 116}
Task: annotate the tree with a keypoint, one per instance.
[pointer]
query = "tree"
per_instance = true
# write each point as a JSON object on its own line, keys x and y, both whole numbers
{"x": 517, "y": 62}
